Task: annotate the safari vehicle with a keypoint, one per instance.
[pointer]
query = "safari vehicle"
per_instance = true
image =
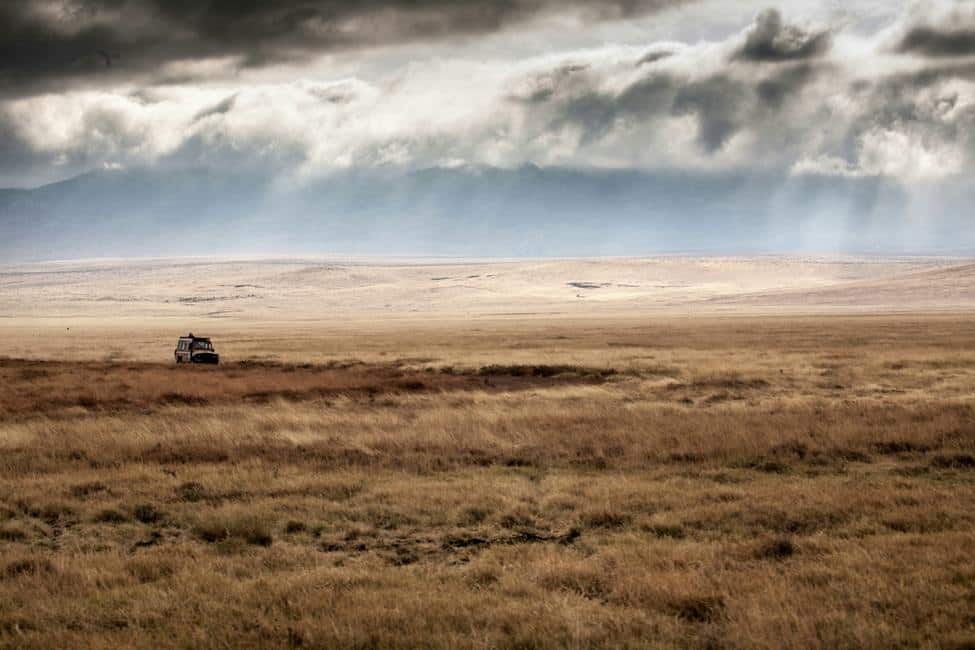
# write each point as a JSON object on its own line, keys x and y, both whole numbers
{"x": 195, "y": 349}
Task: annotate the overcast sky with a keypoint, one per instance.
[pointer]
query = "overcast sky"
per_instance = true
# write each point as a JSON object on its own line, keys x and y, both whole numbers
{"x": 304, "y": 88}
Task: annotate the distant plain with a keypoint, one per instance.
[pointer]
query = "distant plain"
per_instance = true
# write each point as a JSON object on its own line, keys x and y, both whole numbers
{"x": 674, "y": 451}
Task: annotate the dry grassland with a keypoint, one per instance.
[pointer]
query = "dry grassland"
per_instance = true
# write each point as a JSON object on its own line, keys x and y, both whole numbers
{"x": 707, "y": 482}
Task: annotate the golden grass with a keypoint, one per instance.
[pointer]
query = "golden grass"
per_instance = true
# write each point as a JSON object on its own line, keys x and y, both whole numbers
{"x": 48, "y": 387}
{"x": 802, "y": 482}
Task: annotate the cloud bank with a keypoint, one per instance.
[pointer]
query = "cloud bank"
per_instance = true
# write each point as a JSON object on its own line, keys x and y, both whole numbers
{"x": 46, "y": 44}
{"x": 267, "y": 89}
{"x": 774, "y": 94}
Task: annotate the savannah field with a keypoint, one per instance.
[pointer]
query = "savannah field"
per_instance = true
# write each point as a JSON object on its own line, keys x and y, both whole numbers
{"x": 669, "y": 452}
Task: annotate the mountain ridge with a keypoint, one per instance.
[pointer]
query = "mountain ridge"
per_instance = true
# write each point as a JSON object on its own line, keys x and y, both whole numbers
{"x": 523, "y": 212}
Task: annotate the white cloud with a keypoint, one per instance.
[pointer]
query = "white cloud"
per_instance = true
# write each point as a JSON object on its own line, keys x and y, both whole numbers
{"x": 688, "y": 106}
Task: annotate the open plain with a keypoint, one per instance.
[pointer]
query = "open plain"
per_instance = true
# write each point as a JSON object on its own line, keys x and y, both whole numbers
{"x": 667, "y": 452}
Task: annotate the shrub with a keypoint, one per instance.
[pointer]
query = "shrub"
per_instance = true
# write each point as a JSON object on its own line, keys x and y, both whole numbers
{"x": 147, "y": 570}
{"x": 517, "y": 519}
{"x": 605, "y": 519}
{"x": 250, "y": 529}
{"x": 293, "y": 527}
{"x": 544, "y": 371}
{"x": 13, "y": 533}
{"x": 956, "y": 461}
{"x": 111, "y": 516}
{"x": 54, "y": 514}
{"x": 777, "y": 549}
{"x": 28, "y": 567}
{"x": 191, "y": 491}
{"x": 472, "y": 515}
{"x": 662, "y": 530}
{"x": 583, "y": 578}
{"x": 87, "y": 489}
{"x": 482, "y": 575}
{"x": 148, "y": 513}
{"x": 698, "y": 609}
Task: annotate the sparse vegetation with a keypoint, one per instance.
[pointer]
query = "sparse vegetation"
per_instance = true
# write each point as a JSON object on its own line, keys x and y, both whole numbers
{"x": 532, "y": 488}
{"x": 239, "y": 526}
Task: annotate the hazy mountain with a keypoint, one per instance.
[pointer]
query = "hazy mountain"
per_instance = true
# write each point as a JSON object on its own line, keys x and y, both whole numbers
{"x": 461, "y": 211}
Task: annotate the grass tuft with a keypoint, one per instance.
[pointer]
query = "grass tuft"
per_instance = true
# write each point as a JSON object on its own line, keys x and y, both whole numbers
{"x": 111, "y": 516}
{"x": 604, "y": 518}
{"x": 28, "y": 567}
{"x": 672, "y": 532}
{"x": 293, "y": 527}
{"x": 191, "y": 492}
{"x": 698, "y": 609}
{"x": 954, "y": 461}
{"x": 776, "y": 549}
{"x": 13, "y": 532}
{"x": 86, "y": 490}
{"x": 147, "y": 513}
{"x": 546, "y": 371}
{"x": 235, "y": 527}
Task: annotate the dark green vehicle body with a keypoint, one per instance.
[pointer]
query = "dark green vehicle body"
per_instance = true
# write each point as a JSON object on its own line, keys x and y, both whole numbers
{"x": 195, "y": 349}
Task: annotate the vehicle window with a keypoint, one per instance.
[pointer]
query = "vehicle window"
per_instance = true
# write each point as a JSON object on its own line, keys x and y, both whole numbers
{"x": 202, "y": 345}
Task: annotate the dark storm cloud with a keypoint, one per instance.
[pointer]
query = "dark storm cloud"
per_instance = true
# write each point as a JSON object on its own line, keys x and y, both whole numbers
{"x": 917, "y": 101}
{"x": 33, "y": 50}
{"x": 736, "y": 96}
{"x": 570, "y": 96}
{"x": 935, "y": 42}
{"x": 772, "y": 40}
{"x": 775, "y": 90}
{"x": 45, "y": 44}
{"x": 722, "y": 104}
